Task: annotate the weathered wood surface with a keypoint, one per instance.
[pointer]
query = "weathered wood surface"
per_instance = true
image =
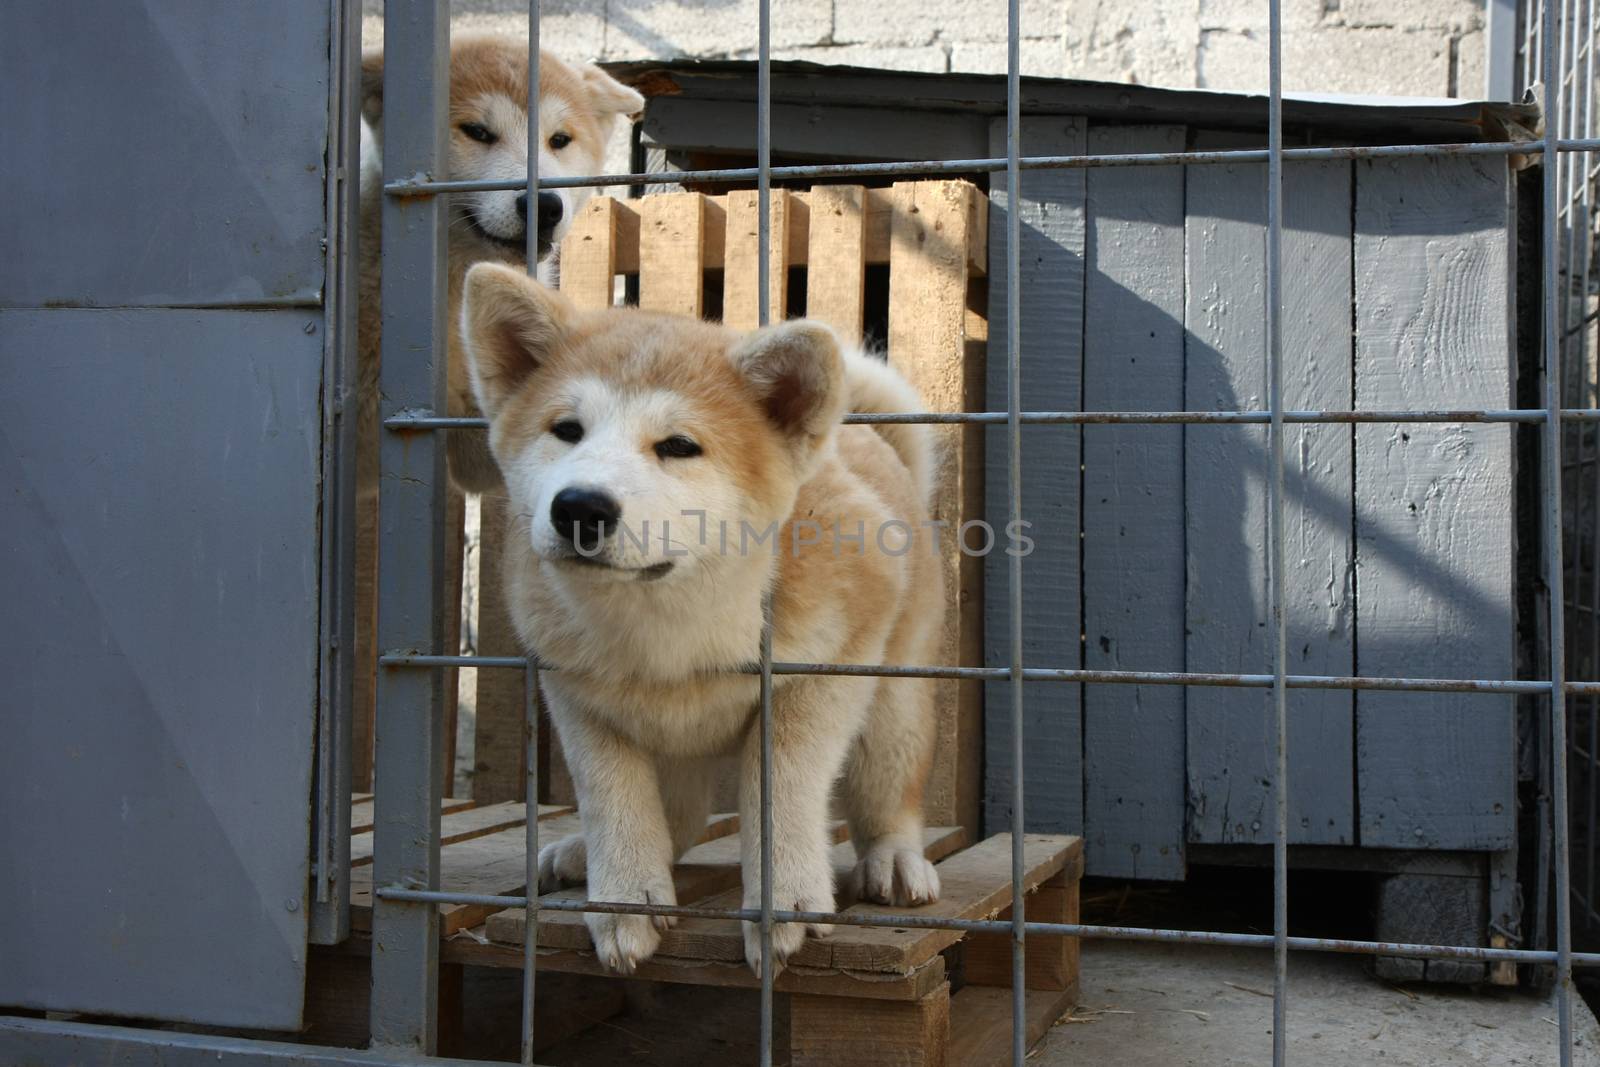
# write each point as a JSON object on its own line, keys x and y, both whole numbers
{"x": 837, "y": 235}
{"x": 361, "y": 810}
{"x": 672, "y": 253}
{"x": 1052, "y": 247}
{"x": 975, "y": 884}
{"x": 741, "y": 303}
{"x": 877, "y": 205}
{"x": 1434, "y": 516}
{"x": 852, "y": 1032}
{"x": 939, "y": 347}
{"x": 464, "y": 825}
{"x": 707, "y": 876}
{"x": 492, "y": 864}
{"x": 1133, "y": 509}
{"x": 1229, "y": 622}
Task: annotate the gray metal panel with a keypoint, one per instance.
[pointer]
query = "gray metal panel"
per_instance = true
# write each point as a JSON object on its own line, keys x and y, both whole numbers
{"x": 37, "y": 1042}
{"x": 159, "y": 563}
{"x": 1231, "y": 738}
{"x": 1434, "y": 514}
{"x": 1133, "y": 590}
{"x": 1052, "y": 380}
{"x": 162, "y": 152}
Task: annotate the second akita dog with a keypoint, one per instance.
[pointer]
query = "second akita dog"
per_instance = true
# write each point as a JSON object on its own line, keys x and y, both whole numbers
{"x": 666, "y": 475}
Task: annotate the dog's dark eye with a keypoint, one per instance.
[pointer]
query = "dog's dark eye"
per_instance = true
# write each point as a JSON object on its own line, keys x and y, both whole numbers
{"x": 558, "y": 141}
{"x": 568, "y": 430}
{"x": 481, "y": 134}
{"x": 677, "y": 447}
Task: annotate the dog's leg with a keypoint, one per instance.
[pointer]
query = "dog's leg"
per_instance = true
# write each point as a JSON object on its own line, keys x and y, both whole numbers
{"x": 626, "y": 840}
{"x": 686, "y": 785}
{"x": 883, "y": 784}
{"x": 812, "y": 723}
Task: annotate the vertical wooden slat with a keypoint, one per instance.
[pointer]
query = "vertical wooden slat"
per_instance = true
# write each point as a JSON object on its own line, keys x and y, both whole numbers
{"x": 1052, "y": 363}
{"x": 454, "y": 544}
{"x": 497, "y": 772}
{"x": 741, "y": 257}
{"x": 589, "y": 254}
{"x": 836, "y": 258}
{"x": 363, "y": 701}
{"x": 1133, "y": 493}
{"x": 931, "y": 342}
{"x": 1229, "y": 625}
{"x": 672, "y": 253}
{"x": 1433, "y": 502}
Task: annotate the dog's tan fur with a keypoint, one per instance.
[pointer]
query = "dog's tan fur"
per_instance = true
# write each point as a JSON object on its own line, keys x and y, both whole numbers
{"x": 488, "y": 84}
{"x": 640, "y": 695}
{"x": 485, "y": 70}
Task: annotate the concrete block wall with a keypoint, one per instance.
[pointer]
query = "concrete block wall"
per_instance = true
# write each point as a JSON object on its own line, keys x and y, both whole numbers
{"x": 1385, "y": 47}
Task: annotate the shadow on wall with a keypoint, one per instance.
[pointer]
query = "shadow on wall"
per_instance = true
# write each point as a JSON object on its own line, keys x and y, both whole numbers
{"x": 1398, "y": 537}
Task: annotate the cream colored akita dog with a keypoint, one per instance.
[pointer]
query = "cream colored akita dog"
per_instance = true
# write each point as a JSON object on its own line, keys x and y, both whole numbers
{"x": 665, "y": 474}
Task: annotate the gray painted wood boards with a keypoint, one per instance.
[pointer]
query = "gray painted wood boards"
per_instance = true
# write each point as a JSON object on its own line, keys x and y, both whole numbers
{"x": 1397, "y": 295}
{"x": 1051, "y": 248}
{"x": 1433, "y": 503}
{"x": 1231, "y": 739}
{"x": 1133, "y": 560}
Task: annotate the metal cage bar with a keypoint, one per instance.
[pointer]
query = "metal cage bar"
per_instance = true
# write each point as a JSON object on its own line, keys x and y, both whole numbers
{"x": 1014, "y": 691}
{"x": 411, "y": 479}
{"x": 1276, "y": 538}
{"x": 530, "y": 676}
{"x": 1555, "y": 572}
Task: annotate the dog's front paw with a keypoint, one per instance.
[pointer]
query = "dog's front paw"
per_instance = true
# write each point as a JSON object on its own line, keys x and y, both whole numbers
{"x": 624, "y": 941}
{"x": 787, "y": 937}
{"x": 563, "y": 863}
{"x": 896, "y": 876}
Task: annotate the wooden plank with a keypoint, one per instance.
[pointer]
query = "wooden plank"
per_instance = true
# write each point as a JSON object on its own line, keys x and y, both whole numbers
{"x": 975, "y": 884}
{"x": 980, "y": 1023}
{"x": 1052, "y": 223}
{"x": 1133, "y": 497}
{"x": 498, "y": 758}
{"x": 709, "y": 876}
{"x": 364, "y": 684}
{"x": 1229, "y": 625}
{"x": 836, "y": 271}
{"x": 740, "y": 304}
{"x": 1050, "y": 962}
{"x": 877, "y": 241}
{"x": 851, "y": 1032}
{"x": 464, "y": 826}
{"x": 361, "y": 811}
{"x": 1434, "y": 504}
{"x": 589, "y": 253}
{"x": 672, "y": 253}
{"x": 938, "y": 347}
{"x": 454, "y": 550}
{"x": 492, "y": 864}
{"x": 726, "y": 974}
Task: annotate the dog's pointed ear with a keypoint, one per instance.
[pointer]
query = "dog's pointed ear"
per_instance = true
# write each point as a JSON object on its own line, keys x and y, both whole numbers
{"x": 372, "y": 86}
{"x": 509, "y": 325}
{"x": 797, "y": 372}
{"x": 611, "y": 98}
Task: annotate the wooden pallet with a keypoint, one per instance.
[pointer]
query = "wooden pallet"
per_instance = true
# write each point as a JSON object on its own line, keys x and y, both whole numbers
{"x": 931, "y": 236}
{"x": 865, "y": 995}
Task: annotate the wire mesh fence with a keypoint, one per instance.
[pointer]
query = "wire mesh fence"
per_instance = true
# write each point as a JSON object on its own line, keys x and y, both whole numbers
{"x": 1557, "y": 46}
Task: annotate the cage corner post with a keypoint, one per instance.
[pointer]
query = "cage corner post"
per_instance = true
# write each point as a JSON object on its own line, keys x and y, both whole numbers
{"x": 411, "y": 536}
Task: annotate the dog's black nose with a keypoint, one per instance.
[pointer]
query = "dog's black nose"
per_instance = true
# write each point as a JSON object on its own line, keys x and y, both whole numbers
{"x": 550, "y": 210}
{"x": 585, "y": 517}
